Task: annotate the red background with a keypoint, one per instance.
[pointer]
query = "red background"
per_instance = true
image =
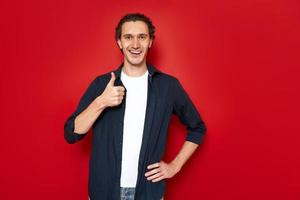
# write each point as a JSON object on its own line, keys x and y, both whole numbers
{"x": 238, "y": 60}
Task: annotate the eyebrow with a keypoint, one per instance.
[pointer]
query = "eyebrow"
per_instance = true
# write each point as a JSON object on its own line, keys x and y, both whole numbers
{"x": 128, "y": 34}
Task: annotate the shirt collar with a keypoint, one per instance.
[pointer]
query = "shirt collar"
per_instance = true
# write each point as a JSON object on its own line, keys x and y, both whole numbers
{"x": 151, "y": 70}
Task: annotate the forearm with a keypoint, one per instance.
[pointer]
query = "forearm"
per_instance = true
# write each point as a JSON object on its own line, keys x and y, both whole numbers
{"x": 84, "y": 121}
{"x": 184, "y": 154}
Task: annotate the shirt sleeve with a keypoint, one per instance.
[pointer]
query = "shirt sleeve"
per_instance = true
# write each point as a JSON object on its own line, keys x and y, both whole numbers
{"x": 89, "y": 95}
{"x": 188, "y": 115}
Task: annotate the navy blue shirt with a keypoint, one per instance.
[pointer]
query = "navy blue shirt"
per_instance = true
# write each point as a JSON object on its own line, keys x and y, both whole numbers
{"x": 166, "y": 96}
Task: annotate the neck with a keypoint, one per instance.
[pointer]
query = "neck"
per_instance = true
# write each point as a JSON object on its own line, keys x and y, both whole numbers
{"x": 134, "y": 70}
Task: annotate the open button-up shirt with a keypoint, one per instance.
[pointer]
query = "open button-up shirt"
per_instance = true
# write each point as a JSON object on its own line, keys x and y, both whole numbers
{"x": 166, "y": 96}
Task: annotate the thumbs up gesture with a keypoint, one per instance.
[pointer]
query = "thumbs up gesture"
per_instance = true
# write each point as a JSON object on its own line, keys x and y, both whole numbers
{"x": 112, "y": 95}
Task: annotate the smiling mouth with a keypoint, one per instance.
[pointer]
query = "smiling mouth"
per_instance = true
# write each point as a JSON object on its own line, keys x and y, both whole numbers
{"x": 135, "y": 53}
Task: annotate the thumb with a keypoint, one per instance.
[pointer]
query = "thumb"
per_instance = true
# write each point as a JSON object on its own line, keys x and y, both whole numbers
{"x": 112, "y": 79}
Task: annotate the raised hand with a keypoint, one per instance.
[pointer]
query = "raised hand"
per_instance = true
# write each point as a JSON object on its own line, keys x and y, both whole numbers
{"x": 112, "y": 95}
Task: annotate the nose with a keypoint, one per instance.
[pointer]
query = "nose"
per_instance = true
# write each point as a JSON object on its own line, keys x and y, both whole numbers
{"x": 136, "y": 43}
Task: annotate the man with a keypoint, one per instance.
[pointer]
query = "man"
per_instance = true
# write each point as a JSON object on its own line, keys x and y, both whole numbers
{"x": 129, "y": 110}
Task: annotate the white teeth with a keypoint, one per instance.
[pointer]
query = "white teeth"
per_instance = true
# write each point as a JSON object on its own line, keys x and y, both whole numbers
{"x": 136, "y": 52}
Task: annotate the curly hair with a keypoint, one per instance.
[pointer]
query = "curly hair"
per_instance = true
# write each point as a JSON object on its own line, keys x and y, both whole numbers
{"x": 134, "y": 17}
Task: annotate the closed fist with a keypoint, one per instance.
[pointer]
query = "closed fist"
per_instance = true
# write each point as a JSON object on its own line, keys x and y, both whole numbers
{"x": 112, "y": 95}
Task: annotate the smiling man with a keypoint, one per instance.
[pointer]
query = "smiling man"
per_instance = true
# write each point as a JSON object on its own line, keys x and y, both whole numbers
{"x": 129, "y": 110}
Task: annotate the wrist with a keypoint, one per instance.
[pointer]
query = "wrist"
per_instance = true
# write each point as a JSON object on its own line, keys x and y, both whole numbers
{"x": 100, "y": 103}
{"x": 177, "y": 165}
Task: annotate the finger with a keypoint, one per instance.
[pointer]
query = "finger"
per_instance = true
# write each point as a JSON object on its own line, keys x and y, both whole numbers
{"x": 153, "y": 165}
{"x": 112, "y": 79}
{"x": 154, "y": 171}
{"x": 121, "y": 98}
{"x": 155, "y": 176}
{"x": 119, "y": 93}
{"x": 118, "y": 100}
{"x": 116, "y": 93}
{"x": 158, "y": 179}
{"x": 118, "y": 96}
{"x": 120, "y": 88}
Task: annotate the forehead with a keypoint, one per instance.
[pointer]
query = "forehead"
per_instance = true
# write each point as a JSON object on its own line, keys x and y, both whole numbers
{"x": 135, "y": 28}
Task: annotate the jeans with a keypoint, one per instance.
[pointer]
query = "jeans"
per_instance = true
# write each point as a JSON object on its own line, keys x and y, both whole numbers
{"x": 127, "y": 193}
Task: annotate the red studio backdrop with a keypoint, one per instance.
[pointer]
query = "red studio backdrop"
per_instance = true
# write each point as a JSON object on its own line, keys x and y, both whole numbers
{"x": 238, "y": 60}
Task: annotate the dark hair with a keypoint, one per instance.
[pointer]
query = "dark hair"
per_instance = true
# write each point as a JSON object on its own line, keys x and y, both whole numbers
{"x": 134, "y": 17}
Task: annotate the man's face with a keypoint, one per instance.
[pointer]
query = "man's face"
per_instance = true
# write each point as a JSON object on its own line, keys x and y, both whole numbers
{"x": 135, "y": 42}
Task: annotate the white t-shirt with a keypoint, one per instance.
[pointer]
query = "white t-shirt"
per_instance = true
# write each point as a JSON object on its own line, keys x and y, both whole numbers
{"x": 135, "y": 109}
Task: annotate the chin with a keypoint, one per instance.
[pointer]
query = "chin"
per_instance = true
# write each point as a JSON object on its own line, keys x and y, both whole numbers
{"x": 135, "y": 62}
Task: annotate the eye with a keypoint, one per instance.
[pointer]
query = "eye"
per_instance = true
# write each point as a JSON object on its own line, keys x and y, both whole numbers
{"x": 142, "y": 37}
{"x": 127, "y": 37}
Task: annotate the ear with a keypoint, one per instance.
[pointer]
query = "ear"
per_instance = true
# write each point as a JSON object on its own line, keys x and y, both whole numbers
{"x": 119, "y": 43}
{"x": 150, "y": 43}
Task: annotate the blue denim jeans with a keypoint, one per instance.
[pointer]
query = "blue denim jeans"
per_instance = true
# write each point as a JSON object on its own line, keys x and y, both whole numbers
{"x": 127, "y": 193}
